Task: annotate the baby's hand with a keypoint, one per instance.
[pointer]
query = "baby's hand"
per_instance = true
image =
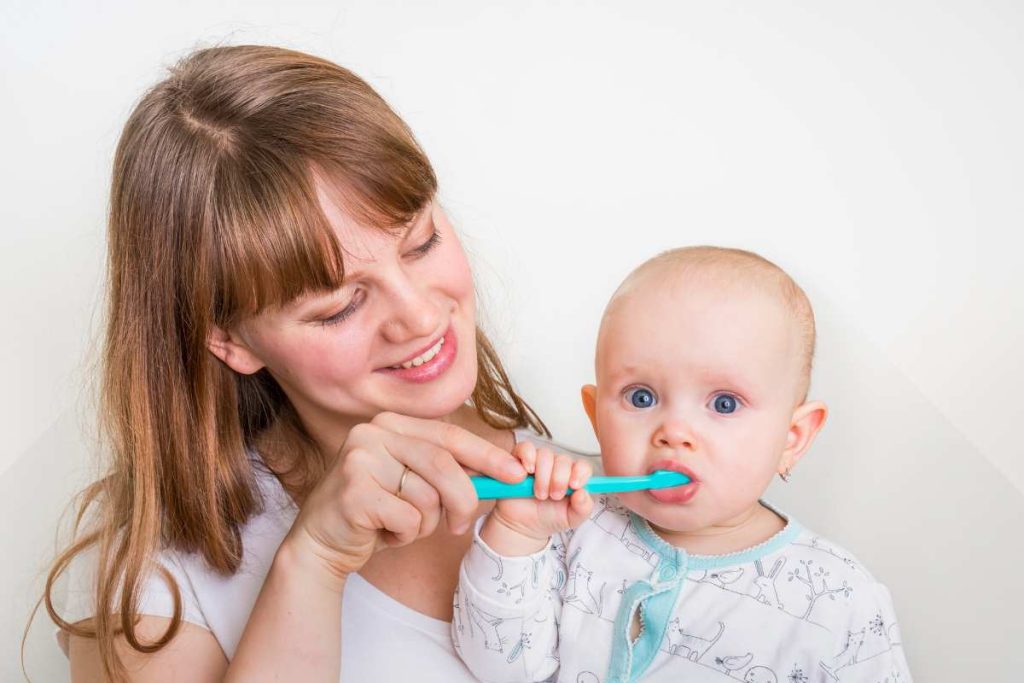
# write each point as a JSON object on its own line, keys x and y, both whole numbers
{"x": 522, "y": 526}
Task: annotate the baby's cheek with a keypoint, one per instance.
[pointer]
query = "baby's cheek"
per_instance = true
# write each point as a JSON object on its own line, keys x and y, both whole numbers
{"x": 617, "y": 462}
{"x": 611, "y": 466}
{"x": 746, "y": 479}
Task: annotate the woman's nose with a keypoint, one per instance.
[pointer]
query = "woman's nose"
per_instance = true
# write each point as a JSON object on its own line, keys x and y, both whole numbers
{"x": 674, "y": 433}
{"x": 414, "y": 313}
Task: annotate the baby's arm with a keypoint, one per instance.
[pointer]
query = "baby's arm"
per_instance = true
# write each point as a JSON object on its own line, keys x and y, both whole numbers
{"x": 505, "y": 625}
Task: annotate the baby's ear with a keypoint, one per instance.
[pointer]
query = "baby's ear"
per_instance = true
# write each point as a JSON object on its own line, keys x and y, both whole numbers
{"x": 807, "y": 421}
{"x": 589, "y": 395}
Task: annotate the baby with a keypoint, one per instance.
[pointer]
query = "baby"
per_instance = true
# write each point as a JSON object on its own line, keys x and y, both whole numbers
{"x": 703, "y": 367}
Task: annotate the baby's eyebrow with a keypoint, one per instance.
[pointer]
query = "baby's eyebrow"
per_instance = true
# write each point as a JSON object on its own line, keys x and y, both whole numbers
{"x": 622, "y": 371}
{"x": 724, "y": 377}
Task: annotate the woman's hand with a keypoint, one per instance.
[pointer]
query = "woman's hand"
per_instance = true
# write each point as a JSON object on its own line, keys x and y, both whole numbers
{"x": 356, "y": 509}
{"x": 522, "y": 526}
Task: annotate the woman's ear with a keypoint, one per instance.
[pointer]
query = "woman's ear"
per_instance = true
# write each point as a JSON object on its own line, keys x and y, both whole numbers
{"x": 589, "y": 394}
{"x": 233, "y": 351}
{"x": 807, "y": 421}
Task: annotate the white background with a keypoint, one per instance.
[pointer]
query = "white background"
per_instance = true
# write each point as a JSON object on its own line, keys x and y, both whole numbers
{"x": 873, "y": 149}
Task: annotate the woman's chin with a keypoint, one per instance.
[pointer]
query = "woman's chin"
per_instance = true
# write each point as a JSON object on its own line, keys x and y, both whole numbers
{"x": 432, "y": 400}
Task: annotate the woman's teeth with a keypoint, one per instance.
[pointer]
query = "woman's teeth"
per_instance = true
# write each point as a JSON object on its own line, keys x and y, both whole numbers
{"x": 421, "y": 359}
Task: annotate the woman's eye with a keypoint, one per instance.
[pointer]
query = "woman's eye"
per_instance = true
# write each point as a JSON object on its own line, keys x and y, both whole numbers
{"x": 725, "y": 404}
{"x": 357, "y": 300}
{"x": 640, "y": 397}
{"x": 427, "y": 246}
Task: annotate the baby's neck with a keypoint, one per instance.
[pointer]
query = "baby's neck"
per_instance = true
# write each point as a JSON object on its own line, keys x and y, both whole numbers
{"x": 755, "y": 525}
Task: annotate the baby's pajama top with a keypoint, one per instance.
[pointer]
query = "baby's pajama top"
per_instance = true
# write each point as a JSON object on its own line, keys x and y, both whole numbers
{"x": 793, "y": 609}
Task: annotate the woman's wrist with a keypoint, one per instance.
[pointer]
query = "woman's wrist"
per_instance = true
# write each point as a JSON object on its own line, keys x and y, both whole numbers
{"x": 508, "y": 539}
{"x": 294, "y": 629}
{"x": 300, "y": 555}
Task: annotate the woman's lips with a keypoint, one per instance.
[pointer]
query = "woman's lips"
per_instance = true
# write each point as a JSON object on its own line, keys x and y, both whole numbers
{"x": 434, "y": 367}
{"x": 677, "y": 495}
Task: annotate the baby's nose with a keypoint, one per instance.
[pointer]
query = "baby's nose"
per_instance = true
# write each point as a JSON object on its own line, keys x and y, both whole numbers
{"x": 674, "y": 433}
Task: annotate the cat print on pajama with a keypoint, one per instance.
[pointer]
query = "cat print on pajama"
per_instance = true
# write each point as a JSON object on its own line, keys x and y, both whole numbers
{"x": 794, "y": 609}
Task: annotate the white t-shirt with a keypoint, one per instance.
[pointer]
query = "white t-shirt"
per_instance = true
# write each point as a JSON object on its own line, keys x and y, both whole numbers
{"x": 382, "y": 639}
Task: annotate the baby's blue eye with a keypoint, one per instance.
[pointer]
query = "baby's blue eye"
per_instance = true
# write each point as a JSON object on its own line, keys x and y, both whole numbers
{"x": 725, "y": 404}
{"x": 640, "y": 397}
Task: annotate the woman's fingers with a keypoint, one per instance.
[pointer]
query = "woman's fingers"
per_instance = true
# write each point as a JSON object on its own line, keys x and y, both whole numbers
{"x": 441, "y": 472}
{"x": 433, "y": 467}
{"x": 357, "y": 507}
{"x": 468, "y": 449}
{"x": 399, "y": 520}
{"x": 425, "y": 498}
{"x": 366, "y": 492}
{"x": 428, "y": 460}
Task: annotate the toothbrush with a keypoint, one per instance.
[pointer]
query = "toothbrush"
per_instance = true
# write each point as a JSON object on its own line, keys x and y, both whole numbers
{"x": 490, "y": 489}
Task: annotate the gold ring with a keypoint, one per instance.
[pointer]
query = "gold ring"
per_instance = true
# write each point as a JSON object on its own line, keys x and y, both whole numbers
{"x": 401, "y": 482}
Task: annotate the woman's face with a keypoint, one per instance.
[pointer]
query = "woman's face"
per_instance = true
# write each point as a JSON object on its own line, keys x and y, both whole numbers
{"x": 405, "y": 301}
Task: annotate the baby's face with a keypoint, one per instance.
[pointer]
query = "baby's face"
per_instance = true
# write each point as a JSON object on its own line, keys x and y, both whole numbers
{"x": 699, "y": 378}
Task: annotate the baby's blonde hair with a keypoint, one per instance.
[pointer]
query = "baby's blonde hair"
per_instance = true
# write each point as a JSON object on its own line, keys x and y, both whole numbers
{"x": 738, "y": 267}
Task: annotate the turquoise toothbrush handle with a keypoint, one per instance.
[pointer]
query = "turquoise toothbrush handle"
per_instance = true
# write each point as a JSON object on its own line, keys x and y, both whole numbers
{"x": 491, "y": 489}
{"x": 662, "y": 479}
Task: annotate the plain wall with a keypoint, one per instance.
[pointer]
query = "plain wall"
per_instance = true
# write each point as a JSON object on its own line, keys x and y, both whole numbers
{"x": 873, "y": 149}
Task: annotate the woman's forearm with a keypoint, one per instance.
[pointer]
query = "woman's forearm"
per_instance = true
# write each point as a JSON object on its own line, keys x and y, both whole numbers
{"x": 294, "y": 631}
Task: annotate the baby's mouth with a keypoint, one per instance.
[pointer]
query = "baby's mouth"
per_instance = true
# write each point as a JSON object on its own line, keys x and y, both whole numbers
{"x": 673, "y": 466}
{"x": 677, "y": 495}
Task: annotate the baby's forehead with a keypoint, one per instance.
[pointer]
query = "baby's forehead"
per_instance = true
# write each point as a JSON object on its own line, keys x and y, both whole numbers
{"x": 715, "y": 304}
{"x": 659, "y": 291}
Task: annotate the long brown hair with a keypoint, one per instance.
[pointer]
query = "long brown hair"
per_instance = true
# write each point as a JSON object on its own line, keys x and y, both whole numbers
{"x": 213, "y": 217}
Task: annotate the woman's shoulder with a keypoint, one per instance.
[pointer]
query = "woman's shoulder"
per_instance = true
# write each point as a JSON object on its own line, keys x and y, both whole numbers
{"x": 208, "y": 598}
{"x": 156, "y": 593}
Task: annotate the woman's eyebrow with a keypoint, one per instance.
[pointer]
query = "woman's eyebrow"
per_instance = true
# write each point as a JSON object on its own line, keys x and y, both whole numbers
{"x": 300, "y": 306}
{"x": 352, "y": 273}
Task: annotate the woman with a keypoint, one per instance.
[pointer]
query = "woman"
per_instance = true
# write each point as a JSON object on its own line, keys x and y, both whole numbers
{"x": 290, "y": 348}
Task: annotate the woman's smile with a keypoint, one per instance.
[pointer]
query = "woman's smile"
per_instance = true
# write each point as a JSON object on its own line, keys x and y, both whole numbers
{"x": 429, "y": 363}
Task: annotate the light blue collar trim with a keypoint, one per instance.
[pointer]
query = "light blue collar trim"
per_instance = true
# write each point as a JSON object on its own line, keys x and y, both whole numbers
{"x": 669, "y": 553}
